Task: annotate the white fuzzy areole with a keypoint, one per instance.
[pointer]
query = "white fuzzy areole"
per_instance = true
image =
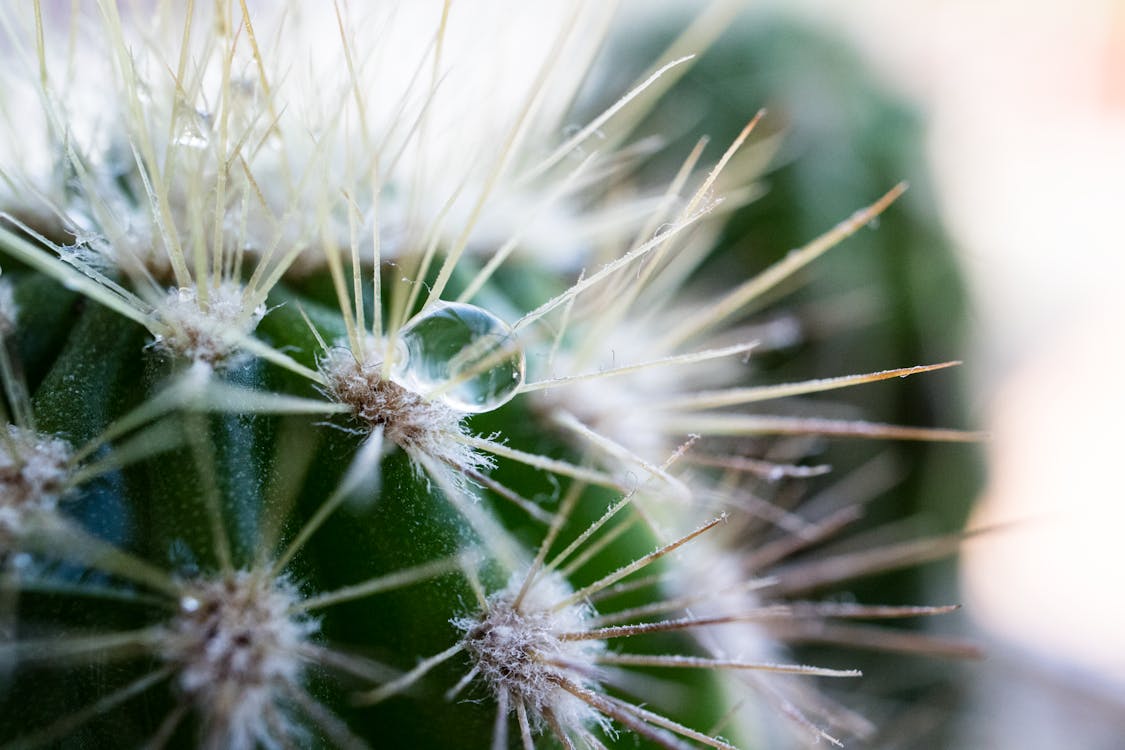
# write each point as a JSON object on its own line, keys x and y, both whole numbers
{"x": 34, "y": 470}
{"x": 513, "y": 648}
{"x": 415, "y": 424}
{"x": 205, "y": 332}
{"x": 235, "y": 643}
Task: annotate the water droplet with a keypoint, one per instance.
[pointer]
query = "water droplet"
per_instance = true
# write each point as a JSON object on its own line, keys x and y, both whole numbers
{"x": 462, "y": 356}
{"x": 189, "y": 604}
{"x": 191, "y": 138}
{"x": 194, "y": 131}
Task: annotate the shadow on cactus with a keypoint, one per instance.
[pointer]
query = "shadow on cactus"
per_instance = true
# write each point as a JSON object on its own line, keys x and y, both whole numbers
{"x": 350, "y": 404}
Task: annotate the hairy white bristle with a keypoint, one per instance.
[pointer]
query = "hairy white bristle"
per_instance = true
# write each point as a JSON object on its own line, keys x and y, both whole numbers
{"x": 34, "y": 470}
{"x": 235, "y": 643}
{"x": 414, "y": 423}
{"x": 516, "y": 646}
{"x": 205, "y": 331}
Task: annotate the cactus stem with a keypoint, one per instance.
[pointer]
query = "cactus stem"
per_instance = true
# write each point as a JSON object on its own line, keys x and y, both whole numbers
{"x": 193, "y": 168}
{"x": 73, "y": 721}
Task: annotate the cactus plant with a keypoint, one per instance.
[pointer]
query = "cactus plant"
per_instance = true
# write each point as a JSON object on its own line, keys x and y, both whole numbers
{"x": 352, "y": 403}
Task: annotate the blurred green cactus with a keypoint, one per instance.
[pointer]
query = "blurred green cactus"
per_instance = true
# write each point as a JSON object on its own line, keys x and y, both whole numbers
{"x": 352, "y": 401}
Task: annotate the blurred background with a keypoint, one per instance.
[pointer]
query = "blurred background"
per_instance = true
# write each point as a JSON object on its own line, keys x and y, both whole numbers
{"x": 1024, "y": 111}
{"x": 1008, "y": 119}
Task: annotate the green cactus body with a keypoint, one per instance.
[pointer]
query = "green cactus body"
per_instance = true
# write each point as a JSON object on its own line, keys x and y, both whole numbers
{"x": 310, "y": 444}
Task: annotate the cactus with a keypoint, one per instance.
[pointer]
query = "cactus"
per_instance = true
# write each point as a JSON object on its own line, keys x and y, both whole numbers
{"x": 350, "y": 402}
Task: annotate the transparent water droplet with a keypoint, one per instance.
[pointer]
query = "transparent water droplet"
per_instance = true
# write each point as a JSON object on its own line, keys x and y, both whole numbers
{"x": 191, "y": 138}
{"x": 462, "y": 356}
{"x": 193, "y": 132}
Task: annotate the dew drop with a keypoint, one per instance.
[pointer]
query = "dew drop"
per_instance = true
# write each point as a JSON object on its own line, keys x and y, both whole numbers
{"x": 191, "y": 138}
{"x": 193, "y": 133}
{"x": 462, "y": 356}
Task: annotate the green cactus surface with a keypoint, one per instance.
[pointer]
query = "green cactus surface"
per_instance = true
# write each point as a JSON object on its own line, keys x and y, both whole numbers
{"x": 354, "y": 400}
